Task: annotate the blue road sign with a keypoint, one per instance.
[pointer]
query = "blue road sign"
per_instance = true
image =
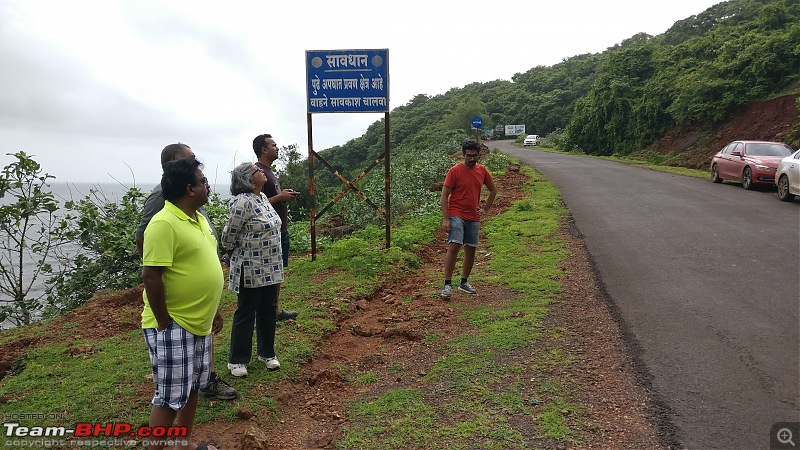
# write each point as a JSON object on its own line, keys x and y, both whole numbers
{"x": 347, "y": 81}
{"x": 477, "y": 122}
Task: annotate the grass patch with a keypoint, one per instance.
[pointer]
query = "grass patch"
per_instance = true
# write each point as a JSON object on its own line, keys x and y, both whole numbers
{"x": 431, "y": 338}
{"x": 366, "y": 378}
{"x": 397, "y": 419}
{"x": 101, "y": 382}
{"x": 554, "y": 420}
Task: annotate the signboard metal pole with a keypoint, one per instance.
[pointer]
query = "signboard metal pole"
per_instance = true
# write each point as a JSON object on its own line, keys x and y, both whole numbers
{"x": 387, "y": 183}
{"x": 311, "y": 189}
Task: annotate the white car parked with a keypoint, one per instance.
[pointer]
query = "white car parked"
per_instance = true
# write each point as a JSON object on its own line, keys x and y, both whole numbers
{"x": 787, "y": 178}
{"x": 531, "y": 139}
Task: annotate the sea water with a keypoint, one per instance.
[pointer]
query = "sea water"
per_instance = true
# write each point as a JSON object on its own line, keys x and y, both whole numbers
{"x": 101, "y": 193}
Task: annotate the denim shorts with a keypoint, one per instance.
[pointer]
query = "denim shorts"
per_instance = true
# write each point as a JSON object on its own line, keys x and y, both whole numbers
{"x": 463, "y": 232}
{"x": 180, "y": 362}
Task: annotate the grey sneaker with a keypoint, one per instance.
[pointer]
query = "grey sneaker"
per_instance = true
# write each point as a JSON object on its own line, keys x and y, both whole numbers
{"x": 272, "y": 363}
{"x": 466, "y": 287}
{"x": 219, "y": 389}
{"x": 447, "y": 291}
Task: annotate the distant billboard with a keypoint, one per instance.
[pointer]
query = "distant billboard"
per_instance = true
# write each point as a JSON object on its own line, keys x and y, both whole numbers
{"x": 515, "y": 130}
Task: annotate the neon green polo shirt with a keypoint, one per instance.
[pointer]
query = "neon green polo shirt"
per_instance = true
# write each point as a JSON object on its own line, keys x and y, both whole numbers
{"x": 192, "y": 277}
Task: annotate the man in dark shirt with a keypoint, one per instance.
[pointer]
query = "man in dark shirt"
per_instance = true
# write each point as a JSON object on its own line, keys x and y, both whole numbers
{"x": 266, "y": 150}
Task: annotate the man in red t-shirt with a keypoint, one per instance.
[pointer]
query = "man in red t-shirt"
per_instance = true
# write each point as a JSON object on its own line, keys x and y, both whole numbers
{"x": 461, "y": 194}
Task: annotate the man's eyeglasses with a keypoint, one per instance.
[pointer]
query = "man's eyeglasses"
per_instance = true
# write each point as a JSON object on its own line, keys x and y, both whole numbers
{"x": 475, "y": 156}
{"x": 204, "y": 182}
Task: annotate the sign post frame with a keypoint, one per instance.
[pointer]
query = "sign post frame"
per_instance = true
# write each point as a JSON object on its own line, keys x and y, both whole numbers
{"x": 348, "y": 81}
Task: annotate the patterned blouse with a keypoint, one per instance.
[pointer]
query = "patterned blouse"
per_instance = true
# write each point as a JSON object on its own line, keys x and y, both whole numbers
{"x": 253, "y": 232}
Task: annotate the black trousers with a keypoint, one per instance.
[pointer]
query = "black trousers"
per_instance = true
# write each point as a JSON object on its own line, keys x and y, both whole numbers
{"x": 254, "y": 305}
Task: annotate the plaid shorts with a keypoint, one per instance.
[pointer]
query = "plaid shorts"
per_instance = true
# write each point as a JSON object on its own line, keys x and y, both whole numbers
{"x": 181, "y": 364}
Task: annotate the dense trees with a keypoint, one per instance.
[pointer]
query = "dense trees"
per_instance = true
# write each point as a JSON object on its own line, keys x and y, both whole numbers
{"x": 699, "y": 71}
{"x": 624, "y": 99}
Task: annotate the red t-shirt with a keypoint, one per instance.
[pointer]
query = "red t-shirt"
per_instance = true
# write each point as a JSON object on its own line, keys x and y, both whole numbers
{"x": 466, "y": 184}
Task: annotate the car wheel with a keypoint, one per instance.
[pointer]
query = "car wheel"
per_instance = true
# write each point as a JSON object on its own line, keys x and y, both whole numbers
{"x": 783, "y": 189}
{"x": 715, "y": 175}
{"x": 747, "y": 178}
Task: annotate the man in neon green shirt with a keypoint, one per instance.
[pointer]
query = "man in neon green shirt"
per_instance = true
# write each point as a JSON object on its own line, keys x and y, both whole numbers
{"x": 183, "y": 282}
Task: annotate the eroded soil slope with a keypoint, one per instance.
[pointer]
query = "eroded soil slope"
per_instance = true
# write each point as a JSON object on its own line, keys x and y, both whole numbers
{"x": 777, "y": 119}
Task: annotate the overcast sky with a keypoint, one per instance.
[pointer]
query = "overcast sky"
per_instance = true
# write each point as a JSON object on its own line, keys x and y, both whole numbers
{"x": 95, "y": 89}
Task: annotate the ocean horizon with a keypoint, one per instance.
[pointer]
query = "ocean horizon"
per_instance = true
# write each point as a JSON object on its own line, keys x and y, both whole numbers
{"x": 67, "y": 190}
{"x": 101, "y": 193}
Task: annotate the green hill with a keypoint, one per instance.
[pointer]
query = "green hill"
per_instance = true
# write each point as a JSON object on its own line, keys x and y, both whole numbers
{"x": 697, "y": 75}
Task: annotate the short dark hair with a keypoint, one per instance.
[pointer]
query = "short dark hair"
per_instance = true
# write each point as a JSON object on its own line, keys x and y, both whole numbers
{"x": 171, "y": 151}
{"x": 260, "y": 142}
{"x": 470, "y": 145}
{"x": 177, "y": 175}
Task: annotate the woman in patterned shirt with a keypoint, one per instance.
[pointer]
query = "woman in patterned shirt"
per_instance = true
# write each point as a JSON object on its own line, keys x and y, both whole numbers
{"x": 252, "y": 240}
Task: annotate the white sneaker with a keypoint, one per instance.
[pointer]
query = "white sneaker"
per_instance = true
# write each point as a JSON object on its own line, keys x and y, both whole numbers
{"x": 238, "y": 370}
{"x": 272, "y": 363}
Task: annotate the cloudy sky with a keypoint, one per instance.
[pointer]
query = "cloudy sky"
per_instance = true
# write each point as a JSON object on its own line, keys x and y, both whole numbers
{"x": 95, "y": 89}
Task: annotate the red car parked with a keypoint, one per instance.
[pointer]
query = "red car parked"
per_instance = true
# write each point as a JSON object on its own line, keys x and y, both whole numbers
{"x": 748, "y": 162}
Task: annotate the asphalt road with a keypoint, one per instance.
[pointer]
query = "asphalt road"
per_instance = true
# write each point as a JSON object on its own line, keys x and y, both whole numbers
{"x": 705, "y": 279}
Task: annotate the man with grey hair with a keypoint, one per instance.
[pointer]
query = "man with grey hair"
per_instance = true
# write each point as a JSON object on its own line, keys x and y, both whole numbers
{"x": 154, "y": 203}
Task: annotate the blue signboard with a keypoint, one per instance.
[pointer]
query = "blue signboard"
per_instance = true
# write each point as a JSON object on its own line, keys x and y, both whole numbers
{"x": 340, "y": 81}
{"x": 477, "y": 122}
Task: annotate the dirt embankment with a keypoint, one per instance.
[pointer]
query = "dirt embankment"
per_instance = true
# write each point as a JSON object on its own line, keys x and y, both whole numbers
{"x": 777, "y": 119}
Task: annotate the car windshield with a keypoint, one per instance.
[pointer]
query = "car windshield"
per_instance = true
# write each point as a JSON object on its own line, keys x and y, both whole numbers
{"x": 768, "y": 150}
